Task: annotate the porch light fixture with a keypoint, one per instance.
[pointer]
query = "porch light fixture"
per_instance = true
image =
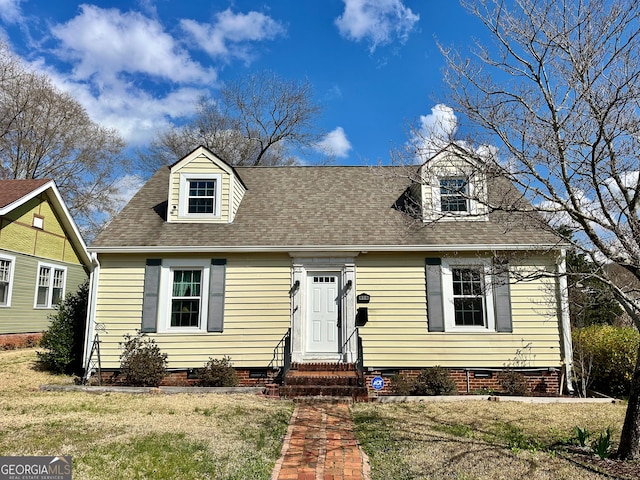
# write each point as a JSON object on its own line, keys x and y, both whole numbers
{"x": 294, "y": 288}
{"x": 348, "y": 286}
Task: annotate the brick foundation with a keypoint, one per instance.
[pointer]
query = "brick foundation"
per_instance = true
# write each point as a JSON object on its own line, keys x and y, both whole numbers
{"x": 181, "y": 378}
{"x": 11, "y": 341}
{"x": 539, "y": 382}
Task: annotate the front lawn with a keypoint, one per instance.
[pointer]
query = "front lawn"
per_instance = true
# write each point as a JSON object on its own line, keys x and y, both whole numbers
{"x": 486, "y": 440}
{"x": 117, "y": 435}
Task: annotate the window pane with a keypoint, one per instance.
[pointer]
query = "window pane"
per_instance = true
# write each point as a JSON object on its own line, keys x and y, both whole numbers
{"x": 469, "y": 311}
{"x": 5, "y": 270}
{"x": 43, "y": 297}
{"x": 185, "y": 313}
{"x": 201, "y": 196}
{"x": 4, "y": 292}
{"x": 44, "y": 276}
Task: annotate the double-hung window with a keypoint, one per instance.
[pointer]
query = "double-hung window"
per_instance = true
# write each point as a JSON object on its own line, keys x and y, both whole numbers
{"x": 200, "y": 196}
{"x": 468, "y": 295}
{"x": 7, "y": 266}
{"x": 454, "y": 194}
{"x": 186, "y": 298}
{"x": 184, "y": 295}
{"x": 50, "y": 286}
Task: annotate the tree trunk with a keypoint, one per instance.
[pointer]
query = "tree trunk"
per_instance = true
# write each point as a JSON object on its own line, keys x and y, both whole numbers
{"x": 629, "y": 448}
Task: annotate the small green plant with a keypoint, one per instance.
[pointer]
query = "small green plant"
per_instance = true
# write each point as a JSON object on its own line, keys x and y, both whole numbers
{"x": 64, "y": 340}
{"x": 401, "y": 384}
{"x": 434, "y": 381}
{"x": 602, "y": 445}
{"x": 218, "y": 372}
{"x": 142, "y": 364}
{"x": 513, "y": 383}
{"x": 582, "y": 436}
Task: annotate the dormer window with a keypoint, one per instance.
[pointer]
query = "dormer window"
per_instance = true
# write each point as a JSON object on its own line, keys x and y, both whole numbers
{"x": 200, "y": 195}
{"x": 454, "y": 194}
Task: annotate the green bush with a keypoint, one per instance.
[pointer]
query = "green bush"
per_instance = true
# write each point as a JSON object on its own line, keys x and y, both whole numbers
{"x": 513, "y": 383}
{"x": 64, "y": 340}
{"x": 401, "y": 384}
{"x": 142, "y": 364}
{"x": 218, "y": 372}
{"x": 612, "y": 353}
{"x": 434, "y": 381}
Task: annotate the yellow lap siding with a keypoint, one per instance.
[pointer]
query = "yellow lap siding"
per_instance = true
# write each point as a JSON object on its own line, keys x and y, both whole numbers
{"x": 256, "y": 314}
{"x": 396, "y": 334}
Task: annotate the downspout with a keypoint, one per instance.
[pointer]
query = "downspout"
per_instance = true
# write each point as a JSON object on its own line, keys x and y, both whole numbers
{"x": 563, "y": 293}
{"x": 91, "y": 310}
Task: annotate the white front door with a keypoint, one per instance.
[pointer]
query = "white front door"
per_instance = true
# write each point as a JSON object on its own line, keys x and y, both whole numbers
{"x": 322, "y": 324}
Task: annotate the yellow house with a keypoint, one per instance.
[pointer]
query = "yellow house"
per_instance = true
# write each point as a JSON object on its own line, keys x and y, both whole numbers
{"x": 42, "y": 255}
{"x": 290, "y": 266}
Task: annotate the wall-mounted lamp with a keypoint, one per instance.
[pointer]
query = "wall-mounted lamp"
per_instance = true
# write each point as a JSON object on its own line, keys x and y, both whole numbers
{"x": 348, "y": 286}
{"x": 294, "y": 288}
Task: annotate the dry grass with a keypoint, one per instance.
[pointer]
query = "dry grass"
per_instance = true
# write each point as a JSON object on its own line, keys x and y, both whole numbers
{"x": 138, "y": 436}
{"x": 478, "y": 440}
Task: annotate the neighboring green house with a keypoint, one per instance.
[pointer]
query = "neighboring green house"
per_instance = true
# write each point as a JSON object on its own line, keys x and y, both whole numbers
{"x": 42, "y": 254}
{"x": 323, "y": 265}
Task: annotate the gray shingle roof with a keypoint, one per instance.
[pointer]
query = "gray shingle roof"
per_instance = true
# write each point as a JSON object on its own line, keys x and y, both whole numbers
{"x": 328, "y": 206}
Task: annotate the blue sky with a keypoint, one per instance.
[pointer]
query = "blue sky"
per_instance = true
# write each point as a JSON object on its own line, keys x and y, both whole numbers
{"x": 140, "y": 66}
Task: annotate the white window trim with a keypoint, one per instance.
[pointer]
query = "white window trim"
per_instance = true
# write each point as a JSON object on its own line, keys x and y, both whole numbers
{"x": 472, "y": 204}
{"x": 53, "y": 267}
{"x": 183, "y": 207}
{"x": 447, "y": 293}
{"x": 12, "y": 268}
{"x": 166, "y": 286}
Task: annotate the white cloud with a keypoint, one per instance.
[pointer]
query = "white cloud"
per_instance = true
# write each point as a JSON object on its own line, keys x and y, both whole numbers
{"x": 103, "y": 43}
{"x": 114, "y": 56}
{"x": 226, "y": 38}
{"x": 378, "y": 21}
{"x": 335, "y": 143}
{"x": 10, "y": 11}
{"x": 126, "y": 186}
{"x": 434, "y": 131}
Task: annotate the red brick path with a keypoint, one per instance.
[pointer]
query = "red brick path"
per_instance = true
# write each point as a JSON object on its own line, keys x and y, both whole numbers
{"x": 320, "y": 445}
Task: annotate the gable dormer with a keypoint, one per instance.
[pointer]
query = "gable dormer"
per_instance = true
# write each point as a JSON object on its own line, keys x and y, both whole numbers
{"x": 453, "y": 188}
{"x": 203, "y": 189}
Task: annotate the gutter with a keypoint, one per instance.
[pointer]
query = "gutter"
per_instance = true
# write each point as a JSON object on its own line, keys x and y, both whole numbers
{"x": 325, "y": 248}
{"x": 565, "y": 330}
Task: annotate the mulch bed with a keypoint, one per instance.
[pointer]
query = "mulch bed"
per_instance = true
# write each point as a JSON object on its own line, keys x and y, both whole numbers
{"x": 609, "y": 467}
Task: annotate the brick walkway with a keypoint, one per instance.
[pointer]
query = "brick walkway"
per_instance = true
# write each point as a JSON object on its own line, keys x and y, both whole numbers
{"x": 320, "y": 445}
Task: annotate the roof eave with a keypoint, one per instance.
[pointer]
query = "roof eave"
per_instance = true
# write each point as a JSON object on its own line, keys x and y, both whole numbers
{"x": 326, "y": 248}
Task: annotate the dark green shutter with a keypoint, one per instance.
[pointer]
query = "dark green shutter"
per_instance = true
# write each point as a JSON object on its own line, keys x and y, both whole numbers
{"x": 502, "y": 298}
{"x": 435, "y": 312}
{"x": 150, "y": 295}
{"x": 215, "y": 320}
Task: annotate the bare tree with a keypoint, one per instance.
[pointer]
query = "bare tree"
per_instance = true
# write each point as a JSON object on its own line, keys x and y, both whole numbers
{"x": 45, "y": 133}
{"x": 255, "y": 120}
{"x": 558, "y": 94}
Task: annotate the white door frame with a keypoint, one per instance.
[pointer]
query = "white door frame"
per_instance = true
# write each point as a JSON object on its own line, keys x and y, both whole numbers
{"x": 345, "y": 268}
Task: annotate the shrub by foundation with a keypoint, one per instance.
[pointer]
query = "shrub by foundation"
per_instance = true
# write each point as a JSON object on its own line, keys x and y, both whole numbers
{"x": 142, "y": 364}
{"x": 218, "y": 372}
